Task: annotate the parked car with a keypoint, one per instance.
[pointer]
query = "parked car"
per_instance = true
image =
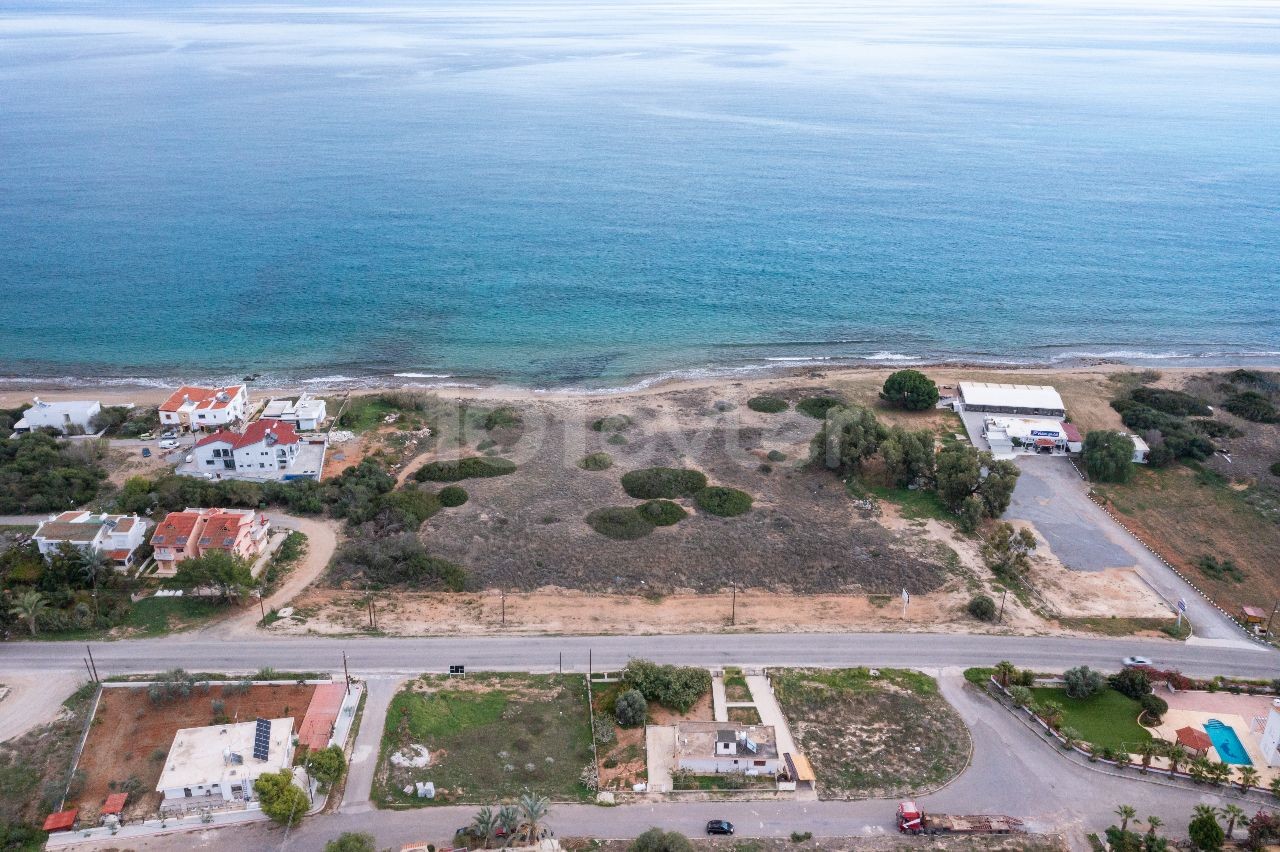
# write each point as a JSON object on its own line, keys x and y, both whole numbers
{"x": 1130, "y": 662}
{"x": 719, "y": 826}
{"x": 146, "y": 452}
{"x": 147, "y": 436}
{"x": 169, "y": 433}
{"x": 168, "y": 443}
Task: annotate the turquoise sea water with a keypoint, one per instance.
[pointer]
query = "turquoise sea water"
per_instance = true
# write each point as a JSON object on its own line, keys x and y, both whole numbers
{"x": 585, "y": 193}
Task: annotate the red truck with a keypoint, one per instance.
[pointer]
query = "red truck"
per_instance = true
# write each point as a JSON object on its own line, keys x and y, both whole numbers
{"x": 913, "y": 820}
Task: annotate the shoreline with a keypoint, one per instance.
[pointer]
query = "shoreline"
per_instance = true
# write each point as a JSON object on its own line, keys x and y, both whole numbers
{"x": 150, "y": 391}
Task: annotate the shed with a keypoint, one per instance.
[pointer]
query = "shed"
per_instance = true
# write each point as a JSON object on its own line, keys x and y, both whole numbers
{"x": 1196, "y": 740}
{"x": 114, "y": 804}
{"x": 1253, "y": 615}
{"x": 322, "y": 715}
{"x": 61, "y": 821}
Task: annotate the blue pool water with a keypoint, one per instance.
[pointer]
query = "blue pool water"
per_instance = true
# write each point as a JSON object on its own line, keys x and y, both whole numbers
{"x": 1230, "y": 749}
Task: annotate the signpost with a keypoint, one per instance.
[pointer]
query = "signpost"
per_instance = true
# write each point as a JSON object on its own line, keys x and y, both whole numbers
{"x": 460, "y": 671}
{"x": 1182, "y": 608}
{"x": 906, "y": 599}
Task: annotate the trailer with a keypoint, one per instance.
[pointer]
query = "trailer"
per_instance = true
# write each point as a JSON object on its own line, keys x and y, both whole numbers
{"x": 913, "y": 820}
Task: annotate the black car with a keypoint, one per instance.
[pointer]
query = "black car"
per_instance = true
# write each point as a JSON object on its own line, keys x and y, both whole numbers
{"x": 719, "y": 826}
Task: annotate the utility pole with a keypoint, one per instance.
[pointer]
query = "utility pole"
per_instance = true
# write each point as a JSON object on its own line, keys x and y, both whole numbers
{"x": 262, "y": 607}
{"x": 93, "y": 664}
{"x": 503, "y": 593}
{"x": 345, "y": 672}
{"x": 1272, "y": 618}
{"x": 589, "y": 670}
{"x": 733, "y": 608}
{"x": 89, "y": 670}
{"x": 562, "y": 662}
{"x": 369, "y": 603}
{"x": 1003, "y": 595}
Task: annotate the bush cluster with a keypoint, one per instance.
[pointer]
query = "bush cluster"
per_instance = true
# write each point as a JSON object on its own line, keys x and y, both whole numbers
{"x": 661, "y": 513}
{"x": 818, "y": 406}
{"x": 1252, "y": 405}
{"x": 723, "y": 502}
{"x": 472, "y": 467}
{"x": 677, "y": 688}
{"x": 1171, "y": 402}
{"x": 767, "y": 404}
{"x": 612, "y": 423}
{"x": 505, "y": 417}
{"x": 982, "y": 607}
{"x": 39, "y": 473}
{"x": 631, "y": 708}
{"x": 666, "y": 483}
{"x": 452, "y": 496}
{"x": 596, "y": 461}
{"x": 1179, "y": 437}
{"x": 622, "y": 523}
{"x": 399, "y": 561}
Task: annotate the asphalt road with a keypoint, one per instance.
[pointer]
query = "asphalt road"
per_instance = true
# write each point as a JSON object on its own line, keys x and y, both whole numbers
{"x": 374, "y": 655}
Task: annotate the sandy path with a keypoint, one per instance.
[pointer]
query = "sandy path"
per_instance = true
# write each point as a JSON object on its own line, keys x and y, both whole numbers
{"x": 322, "y": 540}
{"x": 32, "y": 700}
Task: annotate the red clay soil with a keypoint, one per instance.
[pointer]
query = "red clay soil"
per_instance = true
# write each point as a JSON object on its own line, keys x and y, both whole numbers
{"x": 130, "y": 736}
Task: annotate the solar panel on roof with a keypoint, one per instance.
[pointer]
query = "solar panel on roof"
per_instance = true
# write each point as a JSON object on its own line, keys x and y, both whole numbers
{"x": 261, "y": 739}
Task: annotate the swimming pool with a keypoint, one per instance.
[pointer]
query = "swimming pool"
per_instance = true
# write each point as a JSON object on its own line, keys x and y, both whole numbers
{"x": 1230, "y": 749}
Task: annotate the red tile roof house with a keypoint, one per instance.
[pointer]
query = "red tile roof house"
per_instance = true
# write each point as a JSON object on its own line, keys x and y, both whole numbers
{"x": 194, "y": 532}
{"x": 195, "y": 408}
{"x": 117, "y": 536}
{"x": 266, "y": 449}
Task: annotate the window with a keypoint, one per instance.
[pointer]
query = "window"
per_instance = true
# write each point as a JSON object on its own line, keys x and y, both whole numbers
{"x": 759, "y": 763}
{"x": 186, "y": 791}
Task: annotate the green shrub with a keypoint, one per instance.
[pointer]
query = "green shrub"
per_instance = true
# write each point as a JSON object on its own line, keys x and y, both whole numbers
{"x": 505, "y": 417}
{"x": 452, "y": 496}
{"x": 596, "y": 461}
{"x": 818, "y": 406}
{"x": 1154, "y": 706}
{"x": 1108, "y": 456}
{"x": 661, "y": 513}
{"x": 657, "y": 840}
{"x": 327, "y": 764}
{"x": 776, "y": 456}
{"x": 616, "y": 439}
{"x": 631, "y": 708}
{"x": 767, "y": 404}
{"x": 1171, "y": 402}
{"x": 1252, "y": 405}
{"x": 622, "y": 523}
{"x": 1133, "y": 683}
{"x": 677, "y": 688}
{"x": 724, "y": 502}
{"x": 612, "y": 423}
{"x": 666, "y": 483}
{"x": 982, "y": 608}
{"x": 394, "y": 561}
{"x": 1224, "y": 571}
{"x": 472, "y": 467}
{"x": 1275, "y": 468}
{"x": 801, "y": 836}
{"x": 910, "y": 389}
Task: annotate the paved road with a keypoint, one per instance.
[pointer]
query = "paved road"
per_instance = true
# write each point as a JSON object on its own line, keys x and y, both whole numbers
{"x": 544, "y": 653}
{"x": 1053, "y": 497}
{"x": 1012, "y": 772}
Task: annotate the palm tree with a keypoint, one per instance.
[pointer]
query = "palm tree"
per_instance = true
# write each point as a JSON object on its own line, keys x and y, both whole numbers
{"x": 1205, "y": 811}
{"x": 1248, "y": 777}
{"x": 1153, "y": 822}
{"x": 533, "y": 809}
{"x": 1219, "y": 773}
{"x": 1177, "y": 754}
{"x": 1275, "y": 786}
{"x": 1052, "y": 714}
{"x": 1004, "y": 671}
{"x": 1232, "y": 814}
{"x": 29, "y": 605}
{"x": 508, "y": 820}
{"x": 483, "y": 824}
{"x": 1148, "y": 749}
{"x": 1126, "y": 813}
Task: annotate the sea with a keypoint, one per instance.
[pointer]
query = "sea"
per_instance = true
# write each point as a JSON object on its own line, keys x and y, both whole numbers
{"x": 583, "y": 194}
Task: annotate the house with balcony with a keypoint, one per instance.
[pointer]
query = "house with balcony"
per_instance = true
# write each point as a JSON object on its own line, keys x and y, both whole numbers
{"x": 194, "y": 532}
{"x": 266, "y": 449}
{"x": 116, "y": 536}
{"x": 305, "y": 414}
{"x": 193, "y": 408}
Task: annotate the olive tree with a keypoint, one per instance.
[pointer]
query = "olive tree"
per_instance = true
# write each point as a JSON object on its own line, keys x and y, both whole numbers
{"x": 1108, "y": 456}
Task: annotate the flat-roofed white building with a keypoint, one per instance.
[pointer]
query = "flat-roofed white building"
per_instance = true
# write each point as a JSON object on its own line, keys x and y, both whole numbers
{"x": 1027, "y": 400}
{"x": 219, "y": 762}
{"x": 714, "y": 747}
{"x": 71, "y": 417}
{"x": 305, "y": 413}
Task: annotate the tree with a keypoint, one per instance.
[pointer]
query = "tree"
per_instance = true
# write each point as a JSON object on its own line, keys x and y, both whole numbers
{"x": 352, "y": 841}
{"x": 29, "y": 606}
{"x": 1004, "y": 671}
{"x": 508, "y": 819}
{"x": 327, "y": 764}
{"x": 908, "y": 456}
{"x": 1082, "y": 682}
{"x": 963, "y": 472}
{"x": 910, "y": 389}
{"x": 483, "y": 824}
{"x": 282, "y": 800}
{"x": 982, "y": 607}
{"x": 533, "y": 810}
{"x": 1232, "y": 814}
{"x": 1020, "y": 695}
{"x": 1007, "y": 551}
{"x": 228, "y": 575}
{"x": 1264, "y": 829}
{"x": 1177, "y": 755}
{"x": 1219, "y": 773}
{"x": 1126, "y": 813}
{"x": 1051, "y": 712}
{"x": 1274, "y": 786}
{"x": 1108, "y": 456}
{"x": 1248, "y": 778}
{"x": 1147, "y": 750}
{"x": 1131, "y": 682}
{"x": 996, "y": 488}
{"x": 849, "y": 435}
{"x": 631, "y": 708}
{"x": 1204, "y": 831}
{"x": 1153, "y": 822}
{"x": 657, "y": 840}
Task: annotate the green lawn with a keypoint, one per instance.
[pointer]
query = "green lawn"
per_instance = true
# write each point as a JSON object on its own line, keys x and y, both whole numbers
{"x": 1107, "y": 719}
{"x": 154, "y": 616}
{"x": 490, "y": 737}
{"x": 917, "y": 504}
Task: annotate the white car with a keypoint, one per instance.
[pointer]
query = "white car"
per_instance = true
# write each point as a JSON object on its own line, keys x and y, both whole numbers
{"x": 1130, "y": 662}
{"x": 168, "y": 443}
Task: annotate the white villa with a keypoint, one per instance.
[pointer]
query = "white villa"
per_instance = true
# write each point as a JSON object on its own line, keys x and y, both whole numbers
{"x": 266, "y": 449}
{"x": 306, "y": 413}
{"x": 192, "y": 408}
{"x": 118, "y": 536}
{"x": 219, "y": 763}
{"x": 67, "y": 417}
{"x": 714, "y": 747}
